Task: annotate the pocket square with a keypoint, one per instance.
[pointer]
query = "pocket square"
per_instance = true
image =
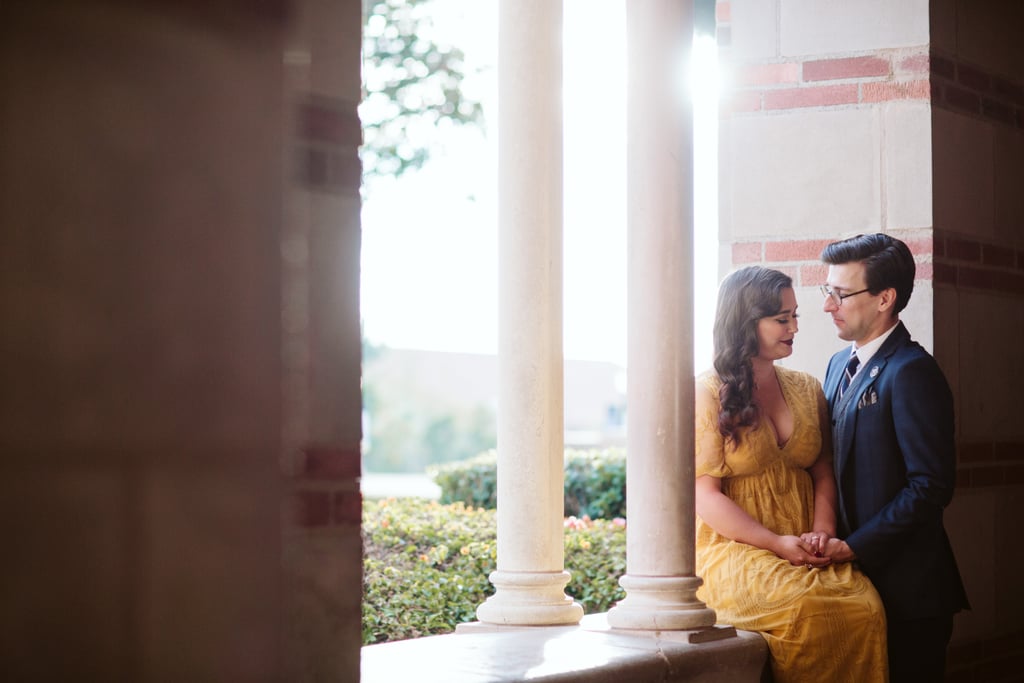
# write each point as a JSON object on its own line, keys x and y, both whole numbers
{"x": 868, "y": 398}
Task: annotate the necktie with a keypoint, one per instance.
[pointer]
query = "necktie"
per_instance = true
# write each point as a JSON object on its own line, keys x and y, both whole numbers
{"x": 848, "y": 373}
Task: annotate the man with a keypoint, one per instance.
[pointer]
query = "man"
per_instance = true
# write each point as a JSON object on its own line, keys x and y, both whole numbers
{"x": 895, "y": 456}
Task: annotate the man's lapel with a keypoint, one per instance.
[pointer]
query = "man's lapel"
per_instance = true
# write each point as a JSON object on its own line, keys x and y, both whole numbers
{"x": 859, "y": 395}
{"x": 832, "y": 375}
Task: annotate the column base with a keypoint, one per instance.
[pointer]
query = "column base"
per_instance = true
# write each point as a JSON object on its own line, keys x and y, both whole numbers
{"x": 529, "y": 599}
{"x": 661, "y": 603}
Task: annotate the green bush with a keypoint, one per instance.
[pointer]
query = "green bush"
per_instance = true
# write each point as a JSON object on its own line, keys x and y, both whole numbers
{"x": 425, "y": 565}
{"x": 595, "y": 556}
{"x": 595, "y": 482}
{"x": 473, "y": 481}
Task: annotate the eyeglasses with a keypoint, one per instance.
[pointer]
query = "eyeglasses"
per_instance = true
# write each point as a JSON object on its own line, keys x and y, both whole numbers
{"x": 836, "y": 297}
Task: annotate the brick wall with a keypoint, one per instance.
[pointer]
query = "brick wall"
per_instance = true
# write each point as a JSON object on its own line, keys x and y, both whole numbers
{"x": 973, "y": 90}
{"x": 836, "y": 81}
{"x": 800, "y": 258}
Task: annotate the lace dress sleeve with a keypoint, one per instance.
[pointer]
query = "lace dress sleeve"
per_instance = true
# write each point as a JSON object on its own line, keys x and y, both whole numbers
{"x": 709, "y": 443}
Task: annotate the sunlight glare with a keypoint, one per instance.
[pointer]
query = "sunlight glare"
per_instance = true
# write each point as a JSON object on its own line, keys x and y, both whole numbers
{"x": 429, "y": 239}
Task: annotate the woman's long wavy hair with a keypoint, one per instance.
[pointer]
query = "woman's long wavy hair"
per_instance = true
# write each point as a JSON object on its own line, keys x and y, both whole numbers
{"x": 744, "y": 297}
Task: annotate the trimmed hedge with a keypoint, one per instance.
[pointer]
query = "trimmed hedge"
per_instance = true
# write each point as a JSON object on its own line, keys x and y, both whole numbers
{"x": 425, "y": 565}
{"x": 595, "y": 482}
{"x": 473, "y": 481}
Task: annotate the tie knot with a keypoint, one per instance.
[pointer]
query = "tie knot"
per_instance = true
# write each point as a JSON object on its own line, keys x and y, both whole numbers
{"x": 853, "y": 364}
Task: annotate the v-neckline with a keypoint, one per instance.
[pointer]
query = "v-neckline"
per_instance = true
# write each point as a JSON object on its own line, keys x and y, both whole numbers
{"x": 771, "y": 423}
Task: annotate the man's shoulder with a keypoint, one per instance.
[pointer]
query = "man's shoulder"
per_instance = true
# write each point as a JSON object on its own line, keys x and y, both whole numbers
{"x": 912, "y": 363}
{"x": 906, "y": 350}
{"x": 901, "y": 346}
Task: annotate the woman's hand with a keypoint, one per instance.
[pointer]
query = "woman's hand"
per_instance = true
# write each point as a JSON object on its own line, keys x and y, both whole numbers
{"x": 797, "y": 552}
{"x": 816, "y": 540}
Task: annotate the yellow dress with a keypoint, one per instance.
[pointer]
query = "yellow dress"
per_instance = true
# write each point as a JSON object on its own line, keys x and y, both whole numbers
{"x": 820, "y": 624}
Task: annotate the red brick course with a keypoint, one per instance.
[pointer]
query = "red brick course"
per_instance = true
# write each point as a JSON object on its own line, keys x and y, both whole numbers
{"x": 982, "y": 464}
{"x": 848, "y": 67}
{"x": 997, "y": 280}
{"x": 326, "y": 122}
{"x": 964, "y": 262}
{"x": 887, "y": 91}
{"x": 921, "y": 246}
{"x": 944, "y": 273}
{"x": 741, "y": 101}
{"x": 331, "y": 463}
{"x": 821, "y": 96}
{"x": 962, "y": 250}
{"x": 914, "y": 64}
{"x": 883, "y": 77}
{"x": 746, "y": 252}
{"x": 969, "y": 89}
{"x": 792, "y": 271}
{"x": 809, "y": 271}
{"x": 1008, "y": 450}
{"x": 960, "y": 98}
{"x": 973, "y": 78}
{"x": 794, "y": 250}
{"x": 997, "y": 111}
{"x": 943, "y": 67}
{"x": 1007, "y": 90}
{"x": 723, "y": 12}
{"x": 311, "y": 508}
{"x": 992, "y": 255}
{"x": 813, "y": 274}
{"x": 875, "y": 73}
{"x": 348, "y": 507}
{"x": 974, "y": 452}
{"x": 768, "y": 74}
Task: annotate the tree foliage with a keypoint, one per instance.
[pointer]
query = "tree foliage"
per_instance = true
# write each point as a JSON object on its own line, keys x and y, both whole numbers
{"x": 412, "y": 82}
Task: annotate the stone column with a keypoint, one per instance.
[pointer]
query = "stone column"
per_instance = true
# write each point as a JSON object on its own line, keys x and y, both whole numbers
{"x": 660, "y": 583}
{"x": 530, "y": 578}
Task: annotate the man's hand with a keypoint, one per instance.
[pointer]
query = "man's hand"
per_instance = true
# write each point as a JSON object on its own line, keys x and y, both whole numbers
{"x": 795, "y": 551}
{"x": 839, "y": 551}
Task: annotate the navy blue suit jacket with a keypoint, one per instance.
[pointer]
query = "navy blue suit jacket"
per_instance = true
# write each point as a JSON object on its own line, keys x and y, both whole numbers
{"x": 895, "y": 464}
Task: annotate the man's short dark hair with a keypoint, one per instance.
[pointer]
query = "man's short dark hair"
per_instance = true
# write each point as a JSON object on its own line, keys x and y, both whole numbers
{"x": 887, "y": 263}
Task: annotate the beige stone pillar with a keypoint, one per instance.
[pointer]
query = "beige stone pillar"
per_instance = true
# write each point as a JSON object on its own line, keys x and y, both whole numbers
{"x": 660, "y": 583}
{"x": 530, "y": 578}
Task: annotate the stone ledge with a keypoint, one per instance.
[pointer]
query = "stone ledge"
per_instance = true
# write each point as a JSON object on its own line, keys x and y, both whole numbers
{"x": 590, "y": 652}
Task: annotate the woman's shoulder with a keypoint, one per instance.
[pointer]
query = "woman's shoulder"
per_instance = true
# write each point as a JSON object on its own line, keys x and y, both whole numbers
{"x": 709, "y": 380}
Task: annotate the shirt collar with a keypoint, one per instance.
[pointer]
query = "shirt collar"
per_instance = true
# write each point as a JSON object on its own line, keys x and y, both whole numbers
{"x": 864, "y": 353}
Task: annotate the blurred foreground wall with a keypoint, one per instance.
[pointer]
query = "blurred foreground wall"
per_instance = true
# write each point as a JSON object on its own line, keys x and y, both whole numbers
{"x": 151, "y": 447}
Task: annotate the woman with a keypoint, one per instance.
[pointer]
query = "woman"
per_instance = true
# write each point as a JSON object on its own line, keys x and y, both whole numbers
{"x": 766, "y": 497}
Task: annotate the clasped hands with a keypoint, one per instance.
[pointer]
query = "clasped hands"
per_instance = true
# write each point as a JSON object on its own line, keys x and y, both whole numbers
{"x": 813, "y": 549}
